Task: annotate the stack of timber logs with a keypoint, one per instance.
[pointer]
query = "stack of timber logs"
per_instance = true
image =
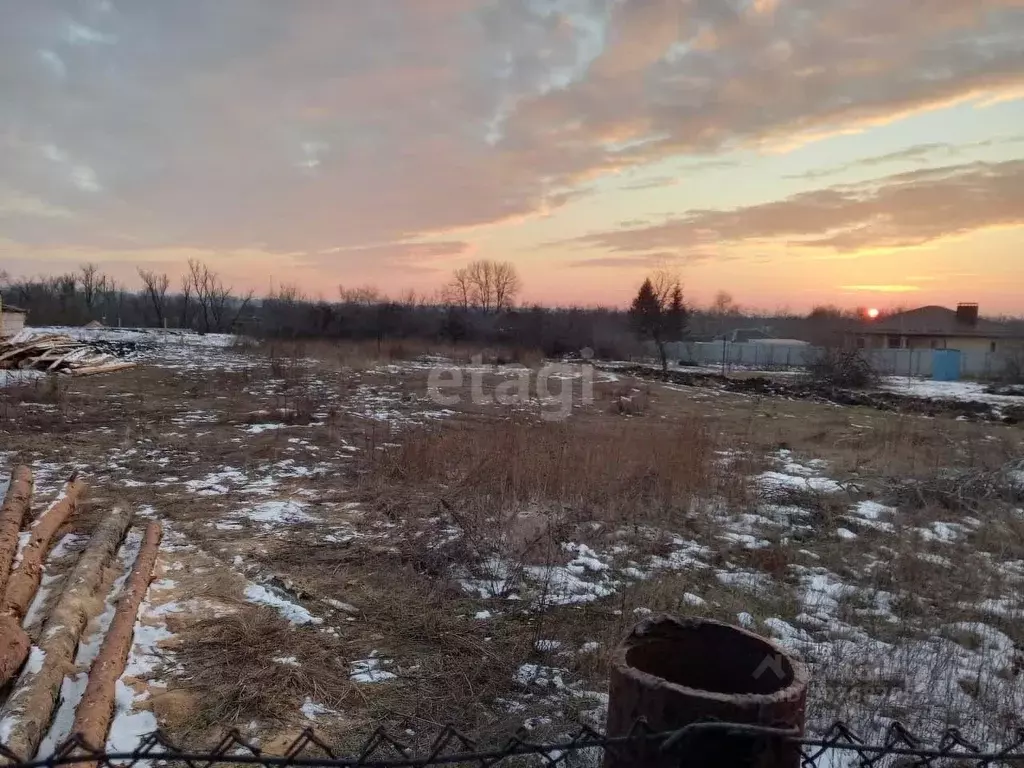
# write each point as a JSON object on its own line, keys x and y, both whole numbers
{"x": 33, "y": 669}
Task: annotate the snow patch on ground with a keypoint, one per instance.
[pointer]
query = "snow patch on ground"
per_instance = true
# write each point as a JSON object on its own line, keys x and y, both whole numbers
{"x": 547, "y": 646}
{"x": 872, "y": 510}
{"x": 285, "y": 512}
{"x": 296, "y": 614}
{"x": 259, "y": 429}
{"x": 216, "y": 483}
{"x": 311, "y": 710}
{"x": 776, "y": 481}
{"x": 371, "y": 670}
{"x": 963, "y": 391}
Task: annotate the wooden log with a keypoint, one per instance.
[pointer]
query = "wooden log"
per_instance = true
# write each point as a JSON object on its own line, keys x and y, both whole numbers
{"x": 29, "y": 710}
{"x": 61, "y": 360}
{"x": 12, "y": 517}
{"x": 36, "y": 345}
{"x": 92, "y": 719}
{"x": 15, "y": 352}
{"x": 106, "y": 368}
{"x": 24, "y": 582}
{"x": 14, "y": 646}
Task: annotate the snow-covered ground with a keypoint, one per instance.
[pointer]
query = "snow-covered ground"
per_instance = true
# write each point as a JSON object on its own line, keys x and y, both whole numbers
{"x": 137, "y": 335}
{"x": 964, "y": 391}
{"x": 16, "y": 378}
{"x": 169, "y": 349}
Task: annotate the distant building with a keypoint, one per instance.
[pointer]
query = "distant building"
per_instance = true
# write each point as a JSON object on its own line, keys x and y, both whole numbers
{"x": 759, "y": 336}
{"x": 12, "y": 321}
{"x": 781, "y": 342}
{"x": 746, "y": 335}
{"x": 937, "y": 328}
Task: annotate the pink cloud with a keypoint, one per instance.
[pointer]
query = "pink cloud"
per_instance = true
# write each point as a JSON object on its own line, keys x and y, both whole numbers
{"x": 902, "y": 210}
{"x": 300, "y": 127}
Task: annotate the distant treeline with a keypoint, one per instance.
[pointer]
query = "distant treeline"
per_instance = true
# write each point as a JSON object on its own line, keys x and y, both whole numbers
{"x": 477, "y": 306}
{"x": 201, "y": 301}
{"x": 66, "y": 301}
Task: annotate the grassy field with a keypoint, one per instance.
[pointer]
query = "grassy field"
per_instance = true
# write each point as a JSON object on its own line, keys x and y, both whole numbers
{"x": 344, "y": 552}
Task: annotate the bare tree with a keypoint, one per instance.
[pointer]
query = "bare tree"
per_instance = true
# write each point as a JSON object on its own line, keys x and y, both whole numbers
{"x": 186, "y": 301}
{"x": 506, "y": 285}
{"x": 481, "y": 280}
{"x": 64, "y": 288}
{"x": 200, "y": 277}
{"x": 219, "y": 309}
{"x": 489, "y": 285}
{"x": 459, "y": 291}
{"x": 113, "y": 297}
{"x": 409, "y": 298}
{"x": 155, "y": 287}
{"x": 366, "y": 295}
{"x": 225, "y": 309}
{"x": 288, "y": 293}
{"x": 92, "y": 284}
{"x": 724, "y": 304}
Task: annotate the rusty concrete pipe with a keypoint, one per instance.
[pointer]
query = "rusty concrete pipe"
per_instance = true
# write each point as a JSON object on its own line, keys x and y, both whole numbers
{"x": 676, "y": 672}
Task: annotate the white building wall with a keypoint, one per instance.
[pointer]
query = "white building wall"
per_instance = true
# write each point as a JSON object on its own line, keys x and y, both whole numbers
{"x": 889, "y": 362}
{"x": 11, "y": 323}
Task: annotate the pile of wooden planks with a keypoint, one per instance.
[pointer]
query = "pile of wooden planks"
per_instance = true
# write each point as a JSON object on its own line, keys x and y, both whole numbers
{"x": 57, "y": 354}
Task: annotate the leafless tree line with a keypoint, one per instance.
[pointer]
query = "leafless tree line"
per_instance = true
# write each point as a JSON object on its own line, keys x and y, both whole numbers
{"x": 204, "y": 302}
{"x": 84, "y": 295}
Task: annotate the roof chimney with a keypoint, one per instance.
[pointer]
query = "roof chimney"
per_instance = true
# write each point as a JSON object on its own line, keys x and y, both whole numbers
{"x": 967, "y": 314}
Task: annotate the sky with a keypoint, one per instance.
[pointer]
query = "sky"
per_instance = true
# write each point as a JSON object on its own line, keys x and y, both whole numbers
{"x": 790, "y": 152}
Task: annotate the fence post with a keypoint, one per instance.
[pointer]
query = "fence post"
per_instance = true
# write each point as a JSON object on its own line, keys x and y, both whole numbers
{"x": 672, "y": 673}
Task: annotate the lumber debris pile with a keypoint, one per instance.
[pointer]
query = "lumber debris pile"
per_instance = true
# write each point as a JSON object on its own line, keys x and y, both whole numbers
{"x": 33, "y": 669}
{"x": 59, "y": 354}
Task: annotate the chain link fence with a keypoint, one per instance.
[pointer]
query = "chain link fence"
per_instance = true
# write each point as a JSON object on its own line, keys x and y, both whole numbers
{"x": 694, "y": 745}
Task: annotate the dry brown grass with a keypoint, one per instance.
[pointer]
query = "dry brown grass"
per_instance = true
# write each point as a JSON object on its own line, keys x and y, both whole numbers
{"x": 38, "y": 405}
{"x": 358, "y": 355}
{"x": 52, "y": 389}
{"x": 595, "y": 469}
{"x": 297, "y": 410}
{"x": 235, "y": 678}
{"x": 628, "y": 400}
{"x": 451, "y": 668}
{"x": 852, "y": 439}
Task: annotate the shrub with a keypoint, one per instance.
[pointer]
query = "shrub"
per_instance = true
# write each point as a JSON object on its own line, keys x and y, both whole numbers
{"x": 845, "y": 368}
